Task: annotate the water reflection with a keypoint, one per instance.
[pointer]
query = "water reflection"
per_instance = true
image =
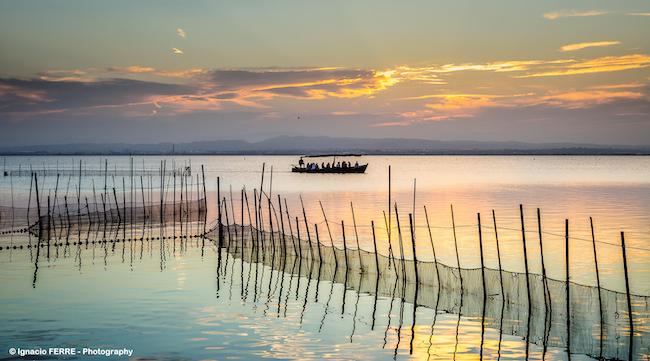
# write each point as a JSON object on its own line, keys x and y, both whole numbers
{"x": 321, "y": 310}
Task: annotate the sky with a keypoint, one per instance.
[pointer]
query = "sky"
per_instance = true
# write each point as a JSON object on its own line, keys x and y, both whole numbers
{"x": 149, "y": 71}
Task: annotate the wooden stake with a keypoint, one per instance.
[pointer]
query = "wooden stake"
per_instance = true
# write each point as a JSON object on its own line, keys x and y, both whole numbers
{"x": 600, "y": 300}
{"x": 433, "y": 248}
{"x": 336, "y": 262}
{"x": 415, "y": 257}
{"x": 480, "y": 243}
{"x": 356, "y": 235}
{"x": 374, "y": 243}
{"x": 304, "y": 214}
{"x": 453, "y": 224}
{"x": 629, "y": 301}
{"x": 568, "y": 288}
{"x": 219, "y": 224}
{"x": 345, "y": 246}
{"x": 523, "y": 241}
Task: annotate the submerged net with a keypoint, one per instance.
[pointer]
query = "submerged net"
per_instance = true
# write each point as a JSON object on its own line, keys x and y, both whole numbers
{"x": 541, "y": 320}
{"x": 63, "y": 219}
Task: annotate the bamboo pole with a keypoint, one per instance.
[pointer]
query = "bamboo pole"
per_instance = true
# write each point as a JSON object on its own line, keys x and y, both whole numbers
{"x": 401, "y": 246}
{"x": 299, "y": 246}
{"x": 568, "y": 289}
{"x": 629, "y": 301}
{"x": 320, "y": 258}
{"x": 205, "y": 202}
{"x": 523, "y": 241}
{"x": 293, "y": 241}
{"x": 271, "y": 225}
{"x": 480, "y": 242}
{"x": 38, "y": 208}
{"x": 415, "y": 257}
{"x": 345, "y": 246}
{"x": 284, "y": 239}
{"x": 453, "y": 224}
{"x": 374, "y": 244}
{"x": 336, "y": 261}
{"x": 356, "y": 235}
{"x": 600, "y": 299}
{"x": 433, "y": 248}
{"x": 219, "y": 224}
{"x": 548, "y": 308}
{"x": 117, "y": 205}
{"x": 304, "y": 214}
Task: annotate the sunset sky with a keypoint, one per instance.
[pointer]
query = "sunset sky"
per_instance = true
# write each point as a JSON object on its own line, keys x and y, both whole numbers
{"x": 159, "y": 70}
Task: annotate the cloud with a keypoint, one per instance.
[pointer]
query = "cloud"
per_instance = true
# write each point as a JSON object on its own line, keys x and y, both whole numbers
{"x": 180, "y": 32}
{"x": 177, "y": 51}
{"x": 344, "y": 113}
{"x": 554, "y": 15}
{"x": 134, "y": 69}
{"x": 541, "y": 68}
{"x": 137, "y": 89}
{"x": 580, "y": 46}
{"x": 137, "y": 70}
{"x": 498, "y": 66}
{"x": 440, "y": 107}
{"x": 298, "y": 83}
{"x": 596, "y": 65}
{"x": 25, "y": 97}
{"x": 589, "y": 98}
{"x": 67, "y": 75}
{"x": 458, "y": 105}
{"x": 638, "y": 14}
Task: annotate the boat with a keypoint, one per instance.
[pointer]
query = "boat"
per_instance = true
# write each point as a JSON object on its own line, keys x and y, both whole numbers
{"x": 333, "y": 168}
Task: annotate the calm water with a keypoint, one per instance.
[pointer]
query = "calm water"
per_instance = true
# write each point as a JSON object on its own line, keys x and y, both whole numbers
{"x": 614, "y": 191}
{"x": 169, "y": 307}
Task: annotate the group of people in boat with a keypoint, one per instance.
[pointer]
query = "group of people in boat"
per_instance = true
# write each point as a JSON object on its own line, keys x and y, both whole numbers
{"x": 323, "y": 165}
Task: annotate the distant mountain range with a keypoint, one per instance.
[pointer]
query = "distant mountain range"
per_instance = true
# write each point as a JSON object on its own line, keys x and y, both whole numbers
{"x": 314, "y": 145}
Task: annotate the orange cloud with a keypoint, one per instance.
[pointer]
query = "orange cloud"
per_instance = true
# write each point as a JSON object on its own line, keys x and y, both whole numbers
{"x": 452, "y": 103}
{"x": 580, "y": 46}
{"x": 499, "y": 66}
{"x": 134, "y": 69}
{"x": 588, "y": 98}
{"x": 597, "y": 65}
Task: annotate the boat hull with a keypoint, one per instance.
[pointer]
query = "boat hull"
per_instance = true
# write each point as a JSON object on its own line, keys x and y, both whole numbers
{"x": 359, "y": 169}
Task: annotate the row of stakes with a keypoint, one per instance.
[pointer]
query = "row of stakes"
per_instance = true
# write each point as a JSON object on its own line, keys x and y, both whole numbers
{"x": 74, "y": 243}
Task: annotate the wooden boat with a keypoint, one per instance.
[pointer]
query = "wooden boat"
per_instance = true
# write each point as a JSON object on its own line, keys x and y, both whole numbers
{"x": 357, "y": 168}
{"x": 361, "y": 168}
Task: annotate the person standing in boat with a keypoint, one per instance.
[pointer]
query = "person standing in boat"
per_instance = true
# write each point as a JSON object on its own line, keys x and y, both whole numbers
{"x": 301, "y": 163}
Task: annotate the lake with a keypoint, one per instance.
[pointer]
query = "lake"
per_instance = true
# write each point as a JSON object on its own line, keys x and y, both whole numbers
{"x": 168, "y": 304}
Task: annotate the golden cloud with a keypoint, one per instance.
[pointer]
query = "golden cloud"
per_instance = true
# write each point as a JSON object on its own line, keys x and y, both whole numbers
{"x": 588, "y": 98}
{"x": 597, "y": 65}
{"x": 580, "y": 46}
{"x": 134, "y": 69}
{"x": 554, "y": 15}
